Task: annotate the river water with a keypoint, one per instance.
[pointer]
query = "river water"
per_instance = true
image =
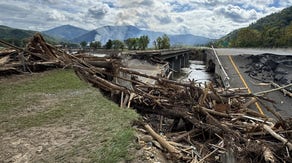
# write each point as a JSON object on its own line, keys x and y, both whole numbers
{"x": 197, "y": 71}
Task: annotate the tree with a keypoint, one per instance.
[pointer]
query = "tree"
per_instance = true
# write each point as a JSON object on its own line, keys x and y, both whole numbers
{"x": 132, "y": 43}
{"x": 288, "y": 35}
{"x": 159, "y": 43}
{"x": 143, "y": 42}
{"x": 163, "y": 42}
{"x": 269, "y": 36}
{"x": 137, "y": 43}
{"x": 117, "y": 44}
{"x": 155, "y": 44}
{"x": 95, "y": 45}
{"x": 83, "y": 44}
{"x": 108, "y": 44}
{"x": 17, "y": 42}
{"x": 247, "y": 37}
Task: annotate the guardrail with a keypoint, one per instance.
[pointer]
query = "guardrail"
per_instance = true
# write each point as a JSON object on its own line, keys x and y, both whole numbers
{"x": 221, "y": 71}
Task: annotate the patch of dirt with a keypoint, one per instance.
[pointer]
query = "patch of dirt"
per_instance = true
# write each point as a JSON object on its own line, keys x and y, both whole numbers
{"x": 47, "y": 101}
{"x": 37, "y": 143}
{"x": 20, "y": 77}
{"x": 70, "y": 139}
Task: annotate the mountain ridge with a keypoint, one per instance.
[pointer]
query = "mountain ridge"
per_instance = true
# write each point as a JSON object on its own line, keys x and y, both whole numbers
{"x": 67, "y": 32}
{"x": 19, "y": 37}
{"x": 103, "y": 34}
{"x": 274, "y": 30}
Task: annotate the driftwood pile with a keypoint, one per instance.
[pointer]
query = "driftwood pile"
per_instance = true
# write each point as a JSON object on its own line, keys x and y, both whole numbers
{"x": 217, "y": 126}
{"x": 190, "y": 122}
{"x": 36, "y": 56}
{"x": 198, "y": 124}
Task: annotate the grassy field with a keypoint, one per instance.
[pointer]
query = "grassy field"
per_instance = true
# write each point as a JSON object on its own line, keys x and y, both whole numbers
{"x": 55, "y": 117}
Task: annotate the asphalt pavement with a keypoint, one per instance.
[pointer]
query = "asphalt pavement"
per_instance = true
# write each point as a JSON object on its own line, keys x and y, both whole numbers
{"x": 235, "y": 63}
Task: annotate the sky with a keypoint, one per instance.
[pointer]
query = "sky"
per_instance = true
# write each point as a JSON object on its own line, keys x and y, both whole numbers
{"x": 208, "y": 18}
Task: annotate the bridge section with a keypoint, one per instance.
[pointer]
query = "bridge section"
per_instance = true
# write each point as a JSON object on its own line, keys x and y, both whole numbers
{"x": 177, "y": 58}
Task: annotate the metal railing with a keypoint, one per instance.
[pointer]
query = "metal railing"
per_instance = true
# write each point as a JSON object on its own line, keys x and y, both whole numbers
{"x": 223, "y": 73}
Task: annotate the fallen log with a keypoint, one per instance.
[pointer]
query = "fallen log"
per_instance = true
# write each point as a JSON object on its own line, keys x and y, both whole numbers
{"x": 174, "y": 152}
{"x": 272, "y": 90}
{"x": 277, "y": 136}
{"x": 4, "y": 60}
{"x": 180, "y": 137}
{"x": 285, "y": 92}
{"x": 252, "y": 101}
{"x": 103, "y": 64}
{"x": 159, "y": 79}
{"x": 254, "y": 113}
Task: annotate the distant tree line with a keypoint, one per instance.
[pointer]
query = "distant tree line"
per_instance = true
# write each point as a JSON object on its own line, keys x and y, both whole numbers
{"x": 21, "y": 42}
{"x": 140, "y": 43}
{"x": 16, "y": 42}
{"x": 268, "y": 37}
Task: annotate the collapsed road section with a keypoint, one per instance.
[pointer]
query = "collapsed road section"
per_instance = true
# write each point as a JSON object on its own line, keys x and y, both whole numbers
{"x": 259, "y": 71}
{"x": 271, "y": 68}
{"x": 190, "y": 123}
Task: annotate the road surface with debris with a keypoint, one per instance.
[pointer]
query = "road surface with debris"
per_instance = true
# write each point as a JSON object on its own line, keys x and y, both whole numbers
{"x": 254, "y": 68}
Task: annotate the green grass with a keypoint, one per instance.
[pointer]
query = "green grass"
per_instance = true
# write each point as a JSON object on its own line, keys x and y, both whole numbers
{"x": 115, "y": 150}
{"x": 59, "y": 98}
{"x": 17, "y": 93}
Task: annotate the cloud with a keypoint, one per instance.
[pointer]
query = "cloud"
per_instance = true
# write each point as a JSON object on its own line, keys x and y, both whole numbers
{"x": 143, "y": 24}
{"x": 179, "y": 19}
{"x": 98, "y": 12}
{"x": 163, "y": 19}
{"x": 181, "y": 7}
{"x": 285, "y": 3}
{"x": 258, "y": 5}
{"x": 183, "y": 29}
{"x": 147, "y": 2}
{"x": 121, "y": 18}
{"x": 54, "y": 15}
{"x": 210, "y": 18}
{"x": 50, "y": 1}
{"x": 135, "y": 3}
{"x": 237, "y": 14}
{"x": 10, "y": 10}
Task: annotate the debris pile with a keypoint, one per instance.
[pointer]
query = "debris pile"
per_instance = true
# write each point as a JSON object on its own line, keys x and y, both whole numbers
{"x": 189, "y": 122}
{"x": 36, "y": 56}
{"x": 192, "y": 123}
